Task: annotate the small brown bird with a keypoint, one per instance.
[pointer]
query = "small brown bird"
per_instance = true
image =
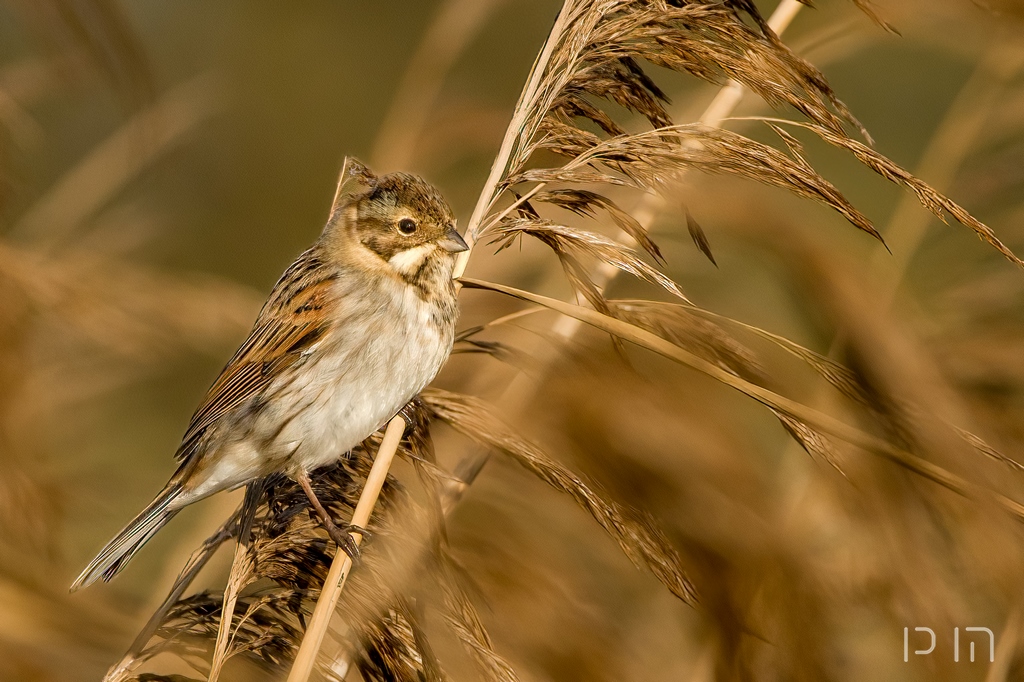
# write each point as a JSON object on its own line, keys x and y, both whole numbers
{"x": 352, "y": 331}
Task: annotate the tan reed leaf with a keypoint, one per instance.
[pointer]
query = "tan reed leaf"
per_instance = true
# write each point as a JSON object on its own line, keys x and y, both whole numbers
{"x": 839, "y": 376}
{"x": 809, "y": 416}
{"x": 681, "y": 325}
{"x": 668, "y": 320}
{"x": 636, "y": 535}
{"x": 847, "y": 383}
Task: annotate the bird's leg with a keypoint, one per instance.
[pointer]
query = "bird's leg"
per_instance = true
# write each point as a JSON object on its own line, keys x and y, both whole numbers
{"x": 341, "y": 536}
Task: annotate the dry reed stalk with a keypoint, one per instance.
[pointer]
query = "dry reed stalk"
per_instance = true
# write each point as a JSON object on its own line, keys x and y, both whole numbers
{"x": 820, "y": 421}
{"x": 341, "y": 566}
{"x": 520, "y": 390}
{"x": 491, "y": 188}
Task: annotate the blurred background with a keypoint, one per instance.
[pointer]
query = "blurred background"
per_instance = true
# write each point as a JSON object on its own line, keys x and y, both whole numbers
{"x": 162, "y": 163}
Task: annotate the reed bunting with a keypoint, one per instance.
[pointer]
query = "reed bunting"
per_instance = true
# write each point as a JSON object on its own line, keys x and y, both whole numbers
{"x": 352, "y": 331}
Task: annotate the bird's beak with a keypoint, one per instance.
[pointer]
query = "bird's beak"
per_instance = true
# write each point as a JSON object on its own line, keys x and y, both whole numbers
{"x": 453, "y": 241}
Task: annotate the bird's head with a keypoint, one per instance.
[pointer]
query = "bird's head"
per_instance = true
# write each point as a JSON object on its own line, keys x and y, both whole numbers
{"x": 398, "y": 217}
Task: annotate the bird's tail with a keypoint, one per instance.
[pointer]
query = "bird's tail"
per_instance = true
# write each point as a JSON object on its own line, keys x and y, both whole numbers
{"x": 123, "y": 547}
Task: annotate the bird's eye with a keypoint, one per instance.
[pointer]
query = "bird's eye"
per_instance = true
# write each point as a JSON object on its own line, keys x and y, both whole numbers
{"x": 407, "y": 226}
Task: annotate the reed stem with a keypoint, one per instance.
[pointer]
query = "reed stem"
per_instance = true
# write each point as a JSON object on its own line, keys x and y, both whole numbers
{"x": 341, "y": 566}
{"x": 498, "y": 168}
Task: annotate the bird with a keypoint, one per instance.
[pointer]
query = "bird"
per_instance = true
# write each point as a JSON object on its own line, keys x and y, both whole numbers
{"x": 354, "y": 329}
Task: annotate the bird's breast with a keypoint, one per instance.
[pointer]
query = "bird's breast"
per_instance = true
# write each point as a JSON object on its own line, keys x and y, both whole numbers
{"x": 385, "y": 349}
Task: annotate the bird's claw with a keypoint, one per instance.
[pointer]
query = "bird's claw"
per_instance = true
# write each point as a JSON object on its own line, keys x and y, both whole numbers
{"x": 353, "y": 528}
{"x": 346, "y": 542}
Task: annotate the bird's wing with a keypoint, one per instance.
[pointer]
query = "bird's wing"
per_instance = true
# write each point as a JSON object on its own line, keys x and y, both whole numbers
{"x": 291, "y": 321}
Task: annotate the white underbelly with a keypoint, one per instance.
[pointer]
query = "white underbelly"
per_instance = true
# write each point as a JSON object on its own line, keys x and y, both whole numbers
{"x": 356, "y": 387}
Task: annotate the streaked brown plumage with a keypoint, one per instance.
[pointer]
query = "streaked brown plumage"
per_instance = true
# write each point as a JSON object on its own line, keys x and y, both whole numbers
{"x": 352, "y": 331}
